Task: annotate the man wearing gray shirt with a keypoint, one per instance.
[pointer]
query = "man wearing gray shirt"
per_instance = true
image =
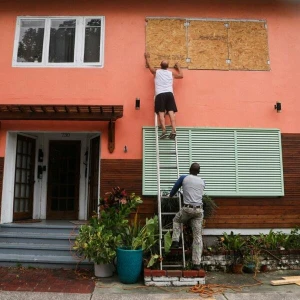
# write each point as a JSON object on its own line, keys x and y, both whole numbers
{"x": 191, "y": 211}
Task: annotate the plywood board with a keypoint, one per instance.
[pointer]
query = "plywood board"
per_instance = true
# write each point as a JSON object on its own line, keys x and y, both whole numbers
{"x": 207, "y": 45}
{"x": 248, "y": 46}
{"x": 284, "y": 282}
{"x": 166, "y": 40}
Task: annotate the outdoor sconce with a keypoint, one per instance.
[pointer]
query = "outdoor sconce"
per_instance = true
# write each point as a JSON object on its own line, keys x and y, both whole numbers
{"x": 125, "y": 149}
{"x": 137, "y": 103}
{"x": 277, "y": 106}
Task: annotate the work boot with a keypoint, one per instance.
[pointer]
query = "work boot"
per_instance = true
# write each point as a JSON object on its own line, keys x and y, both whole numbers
{"x": 175, "y": 245}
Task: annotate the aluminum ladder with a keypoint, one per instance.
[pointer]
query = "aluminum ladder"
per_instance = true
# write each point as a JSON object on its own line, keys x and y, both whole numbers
{"x": 167, "y": 173}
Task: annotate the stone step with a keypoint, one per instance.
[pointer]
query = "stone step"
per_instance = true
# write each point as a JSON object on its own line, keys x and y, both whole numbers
{"x": 39, "y": 228}
{"x": 43, "y": 261}
{"x": 34, "y": 248}
{"x": 33, "y": 238}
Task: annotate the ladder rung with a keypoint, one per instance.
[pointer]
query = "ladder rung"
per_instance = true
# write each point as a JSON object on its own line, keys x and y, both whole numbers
{"x": 166, "y": 197}
{"x": 169, "y": 213}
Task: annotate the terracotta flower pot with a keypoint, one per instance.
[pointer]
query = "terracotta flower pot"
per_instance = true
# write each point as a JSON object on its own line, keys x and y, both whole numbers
{"x": 237, "y": 269}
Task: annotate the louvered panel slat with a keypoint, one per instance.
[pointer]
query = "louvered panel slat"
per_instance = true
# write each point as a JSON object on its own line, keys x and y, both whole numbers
{"x": 245, "y": 162}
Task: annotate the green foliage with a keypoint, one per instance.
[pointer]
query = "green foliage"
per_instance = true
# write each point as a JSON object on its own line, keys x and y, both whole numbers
{"x": 142, "y": 237}
{"x": 98, "y": 240}
{"x": 234, "y": 243}
{"x": 209, "y": 206}
{"x": 97, "y": 243}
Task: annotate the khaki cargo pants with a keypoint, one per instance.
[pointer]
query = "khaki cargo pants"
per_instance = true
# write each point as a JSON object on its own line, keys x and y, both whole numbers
{"x": 195, "y": 217}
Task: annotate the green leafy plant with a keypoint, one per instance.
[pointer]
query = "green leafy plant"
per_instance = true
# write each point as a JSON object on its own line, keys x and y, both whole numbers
{"x": 97, "y": 243}
{"x": 98, "y": 240}
{"x": 234, "y": 243}
{"x": 209, "y": 206}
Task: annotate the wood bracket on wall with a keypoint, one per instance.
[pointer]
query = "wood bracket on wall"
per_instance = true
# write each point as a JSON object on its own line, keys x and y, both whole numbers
{"x": 111, "y": 136}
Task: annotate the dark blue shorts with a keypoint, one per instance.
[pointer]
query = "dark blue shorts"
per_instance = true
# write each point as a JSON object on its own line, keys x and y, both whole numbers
{"x": 165, "y": 102}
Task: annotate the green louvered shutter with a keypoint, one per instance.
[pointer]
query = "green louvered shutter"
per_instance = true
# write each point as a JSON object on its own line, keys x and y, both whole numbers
{"x": 234, "y": 162}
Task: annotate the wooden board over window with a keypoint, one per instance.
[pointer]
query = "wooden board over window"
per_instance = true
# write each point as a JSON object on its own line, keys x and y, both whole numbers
{"x": 166, "y": 40}
{"x": 248, "y": 46}
{"x": 207, "y": 45}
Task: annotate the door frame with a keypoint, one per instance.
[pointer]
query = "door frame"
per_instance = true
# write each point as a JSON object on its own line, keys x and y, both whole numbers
{"x": 40, "y": 188}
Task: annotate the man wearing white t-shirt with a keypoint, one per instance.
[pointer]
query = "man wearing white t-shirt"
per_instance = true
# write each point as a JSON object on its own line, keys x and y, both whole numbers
{"x": 164, "y": 97}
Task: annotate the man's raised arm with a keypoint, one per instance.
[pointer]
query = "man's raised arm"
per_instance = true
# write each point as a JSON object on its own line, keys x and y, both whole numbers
{"x": 178, "y": 74}
{"x": 147, "y": 58}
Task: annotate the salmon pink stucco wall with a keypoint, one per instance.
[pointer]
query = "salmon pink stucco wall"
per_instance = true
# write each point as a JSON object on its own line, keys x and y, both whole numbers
{"x": 204, "y": 97}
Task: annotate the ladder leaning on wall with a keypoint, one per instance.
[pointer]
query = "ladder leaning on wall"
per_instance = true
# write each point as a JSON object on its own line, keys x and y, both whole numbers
{"x": 167, "y": 165}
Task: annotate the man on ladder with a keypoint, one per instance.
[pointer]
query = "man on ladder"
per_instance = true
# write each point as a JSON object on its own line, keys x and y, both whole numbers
{"x": 192, "y": 211}
{"x": 164, "y": 98}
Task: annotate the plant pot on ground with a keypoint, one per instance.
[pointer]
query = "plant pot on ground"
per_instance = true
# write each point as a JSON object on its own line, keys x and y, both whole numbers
{"x": 98, "y": 240}
{"x": 137, "y": 241}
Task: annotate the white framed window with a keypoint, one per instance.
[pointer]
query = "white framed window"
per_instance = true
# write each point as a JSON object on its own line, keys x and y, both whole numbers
{"x": 59, "y": 42}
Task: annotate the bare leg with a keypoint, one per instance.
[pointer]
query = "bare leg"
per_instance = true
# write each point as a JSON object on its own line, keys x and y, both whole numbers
{"x": 172, "y": 119}
{"x": 162, "y": 120}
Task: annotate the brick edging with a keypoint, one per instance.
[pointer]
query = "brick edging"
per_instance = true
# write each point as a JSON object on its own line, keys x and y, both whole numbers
{"x": 173, "y": 277}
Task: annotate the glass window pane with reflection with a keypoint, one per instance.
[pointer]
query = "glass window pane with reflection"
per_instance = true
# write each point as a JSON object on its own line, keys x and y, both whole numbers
{"x": 30, "y": 48}
{"x": 92, "y": 40}
{"x": 62, "y": 41}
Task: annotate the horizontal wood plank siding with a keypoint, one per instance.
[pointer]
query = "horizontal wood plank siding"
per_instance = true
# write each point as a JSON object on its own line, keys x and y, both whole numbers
{"x": 1, "y": 181}
{"x": 126, "y": 173}
{"x": 239, "y": 212}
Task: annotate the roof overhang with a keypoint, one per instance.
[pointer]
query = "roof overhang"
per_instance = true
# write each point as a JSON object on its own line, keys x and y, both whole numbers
{"x": 61, "y": 112}
{"x": 108, "y": 113}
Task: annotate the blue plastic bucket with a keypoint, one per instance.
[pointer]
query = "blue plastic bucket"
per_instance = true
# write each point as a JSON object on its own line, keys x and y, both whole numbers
{"x": 129, "y": 264}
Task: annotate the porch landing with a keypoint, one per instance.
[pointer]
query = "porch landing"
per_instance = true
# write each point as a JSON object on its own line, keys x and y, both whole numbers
{"x": 46, "y": 244}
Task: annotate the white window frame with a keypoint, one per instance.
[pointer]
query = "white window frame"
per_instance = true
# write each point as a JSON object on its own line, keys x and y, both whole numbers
{"x": 78, "y": 48}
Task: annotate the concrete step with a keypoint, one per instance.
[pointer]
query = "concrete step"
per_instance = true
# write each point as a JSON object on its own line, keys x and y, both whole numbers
{"x": 30, "y": 237}
{"x": 44, "y": 261}
{"x": 39, "y": 228}
{"x": 34, "y": 248}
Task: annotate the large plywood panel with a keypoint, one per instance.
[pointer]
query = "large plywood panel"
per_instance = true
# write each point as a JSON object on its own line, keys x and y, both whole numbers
{"x": 166, "y": 40}
{"x": 207, "y": 45}
{"x": 248, "y": 46}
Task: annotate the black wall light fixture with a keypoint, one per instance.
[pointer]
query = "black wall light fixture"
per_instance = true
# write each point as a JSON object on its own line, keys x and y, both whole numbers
{"x": 277, "y": 106}
{"x": 137, "y": 103}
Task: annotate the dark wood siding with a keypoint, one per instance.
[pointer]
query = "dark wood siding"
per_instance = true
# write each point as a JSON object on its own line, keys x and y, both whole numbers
{"x": 1, "y": 181}
{"x": 282, "y": 212}
{"x": 126, "y": 173}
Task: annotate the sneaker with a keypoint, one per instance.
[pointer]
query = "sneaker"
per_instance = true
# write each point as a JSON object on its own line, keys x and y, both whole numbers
{"x": 197, "y": 267}
{"x": 163, "y": 135}
{"x": 175, "y": 245}
{"x": 172, "y": 136}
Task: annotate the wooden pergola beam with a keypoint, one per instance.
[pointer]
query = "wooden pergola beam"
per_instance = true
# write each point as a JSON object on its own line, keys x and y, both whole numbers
{"x": 108, "y": 113}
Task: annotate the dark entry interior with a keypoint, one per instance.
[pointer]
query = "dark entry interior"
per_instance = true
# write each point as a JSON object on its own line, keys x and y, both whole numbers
{"x": 24, "y": 178}
{"x": 94, "y": 176}
{"x": 63, "y": 180}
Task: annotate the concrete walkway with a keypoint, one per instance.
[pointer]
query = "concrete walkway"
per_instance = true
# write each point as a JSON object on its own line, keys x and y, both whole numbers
{"x": 246, "y": 287}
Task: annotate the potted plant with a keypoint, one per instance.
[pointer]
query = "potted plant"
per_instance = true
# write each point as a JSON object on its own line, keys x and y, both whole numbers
{"x": 98, "y": 240}
{"x": 138, "y": 242}
{"x": 235, "y": 245}
{"x": 97, "y": 243}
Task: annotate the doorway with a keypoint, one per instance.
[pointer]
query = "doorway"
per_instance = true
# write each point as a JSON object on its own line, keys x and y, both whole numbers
{"x": 63, "y": 180}
{"x": 24, "y": 178}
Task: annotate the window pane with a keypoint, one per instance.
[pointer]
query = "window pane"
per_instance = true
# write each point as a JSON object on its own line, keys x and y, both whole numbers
{"x": 30, "y": 48}
{"x": 62, "y": 41}
{"x": 92, "y": 40}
